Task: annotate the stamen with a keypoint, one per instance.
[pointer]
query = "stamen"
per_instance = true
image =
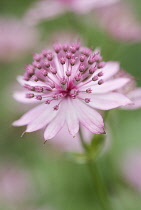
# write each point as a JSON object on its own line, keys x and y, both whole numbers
{"x": 38, "y": 97}
{"x": 95, "y": 78}
{"x": 100, "y": 82}
{"x": 87, "y": 100}
{"x": 29, "y": 95}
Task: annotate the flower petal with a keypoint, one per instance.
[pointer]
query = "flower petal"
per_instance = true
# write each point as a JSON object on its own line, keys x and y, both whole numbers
{"x": 89, "y": 117}
{"x": 71, "y": 118}
{"x": 30, "y": 115}
{"x": 21, "y": 97}
{"x": 108, "y": 86}
{"x": 108, "y": 101}
{"x": 56, "y": 124}
{"x": 43, "y": 118}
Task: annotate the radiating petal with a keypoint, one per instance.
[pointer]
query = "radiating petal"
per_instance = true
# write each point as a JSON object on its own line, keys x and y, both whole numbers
{"x": 108, "y": 101}
{"x": 43, "y": 119}
{"x": 108, "y": 86}
{"x": 32, "y": 83}
{"x": 71, "y": 118}
{"x": 109, "y": 70}
{"x": 30, "y": 115}
{"x": 56, "y": 124}
{"x": 21, "y": 97}
{"x": 89, "y": 117}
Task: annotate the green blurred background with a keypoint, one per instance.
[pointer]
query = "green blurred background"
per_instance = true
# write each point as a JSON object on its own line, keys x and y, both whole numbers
{"x": 58, "y": 182}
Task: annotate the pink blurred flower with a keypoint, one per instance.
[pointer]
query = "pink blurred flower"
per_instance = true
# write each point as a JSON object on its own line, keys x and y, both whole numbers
{"x": 120, "y": 22}
{"x": 71, "y": 82}
{"x": 131, "y": 91}
{"x": 15, "y": 39}
{"x": 131, "y": 169}
{"x": 14, "y": 184}
{"x": 48, "y": 9}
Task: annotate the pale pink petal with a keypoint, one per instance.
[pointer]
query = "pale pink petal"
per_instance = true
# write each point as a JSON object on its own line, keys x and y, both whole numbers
{"x": 109, "y": 70}
{"x": 30, "y": 115}
{"x": 71, "y": 118}
{"x": 32, "y": 83}
{"x": 89, "y": 118}
{"x": 108, "y": 86}
{"x": 56, "y": 124}
{"x": 43, "y": 119}
{"x": 21, "y": 97}
{"x": 108, "y": 101}
{"x": 135, "y": 96}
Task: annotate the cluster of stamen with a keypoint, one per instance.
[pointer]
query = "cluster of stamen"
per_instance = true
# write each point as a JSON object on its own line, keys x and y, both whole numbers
{"x": 60, "y": 73}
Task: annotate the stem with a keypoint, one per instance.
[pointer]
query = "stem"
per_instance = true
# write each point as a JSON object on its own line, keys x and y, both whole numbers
{"x": 101, "y": 192}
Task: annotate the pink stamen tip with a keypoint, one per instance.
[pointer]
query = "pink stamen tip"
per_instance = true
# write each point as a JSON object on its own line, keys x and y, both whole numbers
{"x": 47, "y": 102}
{"x": 65, "y": 47}
{"x": 46, "y": 64}
{"x": 73, "y": 49}
{"x": 87, "y": 100}
{"x": 57, "y": 48}
{"x": 26, "y": 76}
{"x": 97, "y": 57}
{"x": 68, "y": 55}
{"x": 100, "y": 82}
{"x": 56, "y": 107}
{"x": 44, "y": 53}
{"x": 92, "y": 69}
{"x": 101, "y": 64}
{"x": 82, "y": 67}
{"x": 82, "y": 58}
{"x": 37, "y": 57}
{"x": 78, "y": 77}
{"x": 29, "y": 95}
{"x": 95, "y": 78}
{"x": 39, "y": 89}
{"x": 44, "y": 72}
{"x": 72, "y": 61}
{"x": 62, "y": 60}
{"x": 37, "y": 65}
{"x": 68, "y": 73}
{"x": 38, "y": 97}
{"x": 63, "y": 81}
{"x": 50, "y": 56}
{"x": 30, "y": 69}
{"x": 89, "y": 90}
{"x": 53, "y": 70}
{"x": 100, "y": 74}
{"x": 34, "y": 78}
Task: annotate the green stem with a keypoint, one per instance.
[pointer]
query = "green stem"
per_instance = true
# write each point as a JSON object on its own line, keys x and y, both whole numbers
{"x": 99, "y": 186}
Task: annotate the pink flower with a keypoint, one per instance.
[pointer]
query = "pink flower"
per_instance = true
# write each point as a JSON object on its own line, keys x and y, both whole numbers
{"x": 120, "y": 22}
{"x": 15, "y": 39}
{"x": 71, "y": 82}
{"x": 131, "y": 91}
{"x": 131, "y": 169}
{"x": 47, "y": 9}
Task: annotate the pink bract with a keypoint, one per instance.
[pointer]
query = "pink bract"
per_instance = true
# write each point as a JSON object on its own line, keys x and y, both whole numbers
{"x": 71, "y": 83}
{"x": 15, "y": 39}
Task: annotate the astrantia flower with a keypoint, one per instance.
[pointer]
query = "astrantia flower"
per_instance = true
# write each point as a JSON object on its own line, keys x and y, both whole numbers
{"x": 71, "y": 82}
{"x": 48, "y": 9}
{"x": 15, "y": 38}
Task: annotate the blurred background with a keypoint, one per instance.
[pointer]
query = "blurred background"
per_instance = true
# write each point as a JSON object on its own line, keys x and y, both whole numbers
{"x": 41, "y": 176}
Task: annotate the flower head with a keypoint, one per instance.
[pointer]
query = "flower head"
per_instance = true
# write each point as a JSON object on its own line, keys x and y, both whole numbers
{"x": 71, "y": 82}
